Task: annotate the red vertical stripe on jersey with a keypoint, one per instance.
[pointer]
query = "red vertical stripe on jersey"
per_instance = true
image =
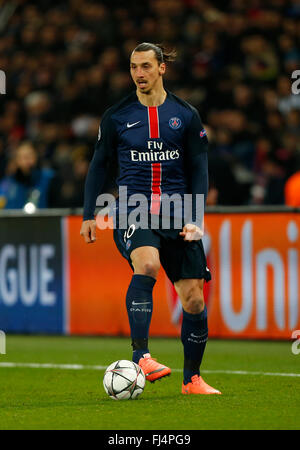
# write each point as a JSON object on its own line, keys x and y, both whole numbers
{"x": 153, "y": 122}
{"x": 156, "y": 167}
{"x": 155, "y": 188}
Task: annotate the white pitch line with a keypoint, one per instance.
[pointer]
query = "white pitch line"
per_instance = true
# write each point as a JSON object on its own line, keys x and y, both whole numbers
{"x": 87, "y": 367}
{"x": 51, "y": 366}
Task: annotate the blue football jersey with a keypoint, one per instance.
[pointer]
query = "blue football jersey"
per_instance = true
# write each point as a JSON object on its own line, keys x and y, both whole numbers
{"x": 153, "y": 146}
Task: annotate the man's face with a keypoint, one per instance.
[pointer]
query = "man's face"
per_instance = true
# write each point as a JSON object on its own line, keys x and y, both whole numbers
{"x": 26, "y": 158}
{"x": 145, "y": 70}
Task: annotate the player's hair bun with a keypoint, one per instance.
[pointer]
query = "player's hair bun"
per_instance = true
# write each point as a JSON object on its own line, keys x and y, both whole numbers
{"x": 162, "y": 53}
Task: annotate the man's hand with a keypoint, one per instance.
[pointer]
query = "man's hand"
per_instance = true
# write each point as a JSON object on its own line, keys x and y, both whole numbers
{"x": 88, "y": 231}
{"x": 191, "y": 233}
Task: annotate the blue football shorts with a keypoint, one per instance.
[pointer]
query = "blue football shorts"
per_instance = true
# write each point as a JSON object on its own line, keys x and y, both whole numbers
{"x": 180, "y": 259}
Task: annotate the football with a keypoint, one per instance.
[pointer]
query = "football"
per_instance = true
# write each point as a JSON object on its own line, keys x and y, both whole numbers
{"x": 124, "y": 380}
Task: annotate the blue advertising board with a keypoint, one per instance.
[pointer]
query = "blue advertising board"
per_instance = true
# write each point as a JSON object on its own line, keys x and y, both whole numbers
{"x": 31, "y": 275}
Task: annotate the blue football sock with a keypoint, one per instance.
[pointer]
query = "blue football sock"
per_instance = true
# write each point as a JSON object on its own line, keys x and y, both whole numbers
{"x": 139, "y": 305}
{"x": 194, "y": 335}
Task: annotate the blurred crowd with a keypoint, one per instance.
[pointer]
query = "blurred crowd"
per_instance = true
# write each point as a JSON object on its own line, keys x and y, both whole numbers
{"x": 67, "y": 61}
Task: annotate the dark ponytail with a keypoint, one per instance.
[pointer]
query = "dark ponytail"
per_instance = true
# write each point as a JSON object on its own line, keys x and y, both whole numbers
{"x": 162, "y": 54}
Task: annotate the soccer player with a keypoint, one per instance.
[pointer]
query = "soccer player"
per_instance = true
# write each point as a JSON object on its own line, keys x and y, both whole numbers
{"x": 161, "y": 148}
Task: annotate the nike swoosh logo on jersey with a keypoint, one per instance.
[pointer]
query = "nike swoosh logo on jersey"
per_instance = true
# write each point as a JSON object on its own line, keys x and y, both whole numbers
{"x": 194, "y": 336}
{"x": 144, "y": 303}
{"x": 129, "y": 125}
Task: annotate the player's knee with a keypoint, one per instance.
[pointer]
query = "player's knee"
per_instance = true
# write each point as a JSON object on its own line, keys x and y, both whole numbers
{"x": 194, "y": 302}
{"x": 149, "y": 268}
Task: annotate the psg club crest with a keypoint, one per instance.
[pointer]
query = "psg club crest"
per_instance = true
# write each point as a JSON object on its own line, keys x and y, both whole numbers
{"x": 175, "y": 123}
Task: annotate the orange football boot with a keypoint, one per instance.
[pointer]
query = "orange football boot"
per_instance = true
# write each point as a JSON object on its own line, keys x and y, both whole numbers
{"x": 198, "y": 386}
{"x": 152, "y": 369}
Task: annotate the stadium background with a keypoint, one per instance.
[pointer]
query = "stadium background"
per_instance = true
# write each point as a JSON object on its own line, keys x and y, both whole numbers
{"x": 65, "y": 63}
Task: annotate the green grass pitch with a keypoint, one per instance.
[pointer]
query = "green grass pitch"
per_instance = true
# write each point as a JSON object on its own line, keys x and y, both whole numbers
{"x": 255, "y": 395}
